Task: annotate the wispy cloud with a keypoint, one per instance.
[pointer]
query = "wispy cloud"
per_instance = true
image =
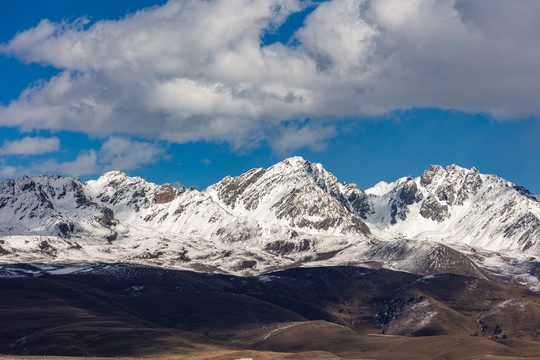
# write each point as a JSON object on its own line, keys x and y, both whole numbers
{"x": 196, "y": 70}
{"x": 30, "y": 146}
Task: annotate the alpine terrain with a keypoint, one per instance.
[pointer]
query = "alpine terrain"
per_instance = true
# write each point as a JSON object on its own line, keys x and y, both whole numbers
{"x": 284, "y": 260}
{"x": 294, "y": 213}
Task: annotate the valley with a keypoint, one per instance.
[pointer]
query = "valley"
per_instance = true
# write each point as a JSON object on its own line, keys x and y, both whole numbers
{"x": 327, "y": 312}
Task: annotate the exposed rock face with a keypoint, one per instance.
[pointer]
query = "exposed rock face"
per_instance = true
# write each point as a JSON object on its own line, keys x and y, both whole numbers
{"x": 405, "y": 195}
{"x": 107, "y": 218}
{"x": 461, "y": 206}
{"x": 166, "y": 195}
{"x": 242, "y": 230}
{"x": 45, "y": 205}
{"x": 297, "y": 194}
{"x": 322, "y": 213}
{"x": 527, "y": 238}
{"x": 409, "y": 193}
{"x": 432, "y": 209}
{"x": 4, "y": 251}
{"x": 116, "y": 189}
{"x": 356, "y": 201}
{"x": 290, "y": 213}
{"x": 424, "y": 259}
{"x": 233, "y": 189}
{"x": 283, "y": 247}
{"x": 430, "y": 174}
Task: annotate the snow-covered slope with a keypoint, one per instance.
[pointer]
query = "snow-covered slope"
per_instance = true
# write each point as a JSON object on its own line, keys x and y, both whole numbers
{"x": 458, "y": 206}
{"x": 262, "y": 219}
{"x": 294, "y": 194}
{"x": 290, "y": 214}
{"x": 55, "y": 205}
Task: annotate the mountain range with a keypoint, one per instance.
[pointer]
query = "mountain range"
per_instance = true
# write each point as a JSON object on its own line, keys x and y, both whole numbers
{"x": 278, "y": 263}
{"x": 292, "y": 214}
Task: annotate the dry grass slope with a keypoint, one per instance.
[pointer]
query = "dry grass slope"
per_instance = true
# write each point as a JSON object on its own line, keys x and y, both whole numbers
{"x": 305, "y": 313}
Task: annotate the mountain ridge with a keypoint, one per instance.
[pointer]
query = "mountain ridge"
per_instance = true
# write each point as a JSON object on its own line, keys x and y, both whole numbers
{"x": 292, "y": 214}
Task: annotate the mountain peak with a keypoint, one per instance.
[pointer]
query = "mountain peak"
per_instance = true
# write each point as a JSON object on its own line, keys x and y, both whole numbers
{"x": 293, "y": 207}
{"x": 295, "y": 193}
{"x": 429, "y": 174}
{"x": 457, "y": 168}
{"x": 296, "y": 161}
{"x": 114, "y": 174}
{"x": 292, "y": 164}
{"x": 436, "y": 173}
{"x": 300, "y": 161}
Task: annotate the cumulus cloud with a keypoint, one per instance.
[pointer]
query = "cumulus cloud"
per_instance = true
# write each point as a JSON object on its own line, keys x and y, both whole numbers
{"x": 7, "y": 171}
{"x": 196, "y": 70}
{"x": 119, "y": 153}
{"x": 294, "y": 137}
{"x": 30, "y": 146}
{"x": 116, "y": 153}
{"x": 84, "y": 164}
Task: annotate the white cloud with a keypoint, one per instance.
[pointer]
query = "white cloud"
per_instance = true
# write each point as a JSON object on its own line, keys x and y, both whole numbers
{"x": 84, "y": 164}
{"x": 294, "y": 137}
{"x": 30, "y": 146}
{"x": 7, "y": 171}
{"x": 116, "y": 153}
{"x": 195, "y": 70}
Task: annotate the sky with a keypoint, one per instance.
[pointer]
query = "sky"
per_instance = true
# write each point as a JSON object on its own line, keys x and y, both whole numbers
{"x": 190, "y": 91}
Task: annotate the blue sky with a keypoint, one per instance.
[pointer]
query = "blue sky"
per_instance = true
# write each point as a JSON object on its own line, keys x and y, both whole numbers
{"x": 190, "y": 91}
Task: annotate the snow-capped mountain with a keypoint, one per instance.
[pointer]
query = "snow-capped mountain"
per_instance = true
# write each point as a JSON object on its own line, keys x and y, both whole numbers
{"x": 54, "y": 205}
{"x": 290, "y": 214}
{"x": 457, "y": 205}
